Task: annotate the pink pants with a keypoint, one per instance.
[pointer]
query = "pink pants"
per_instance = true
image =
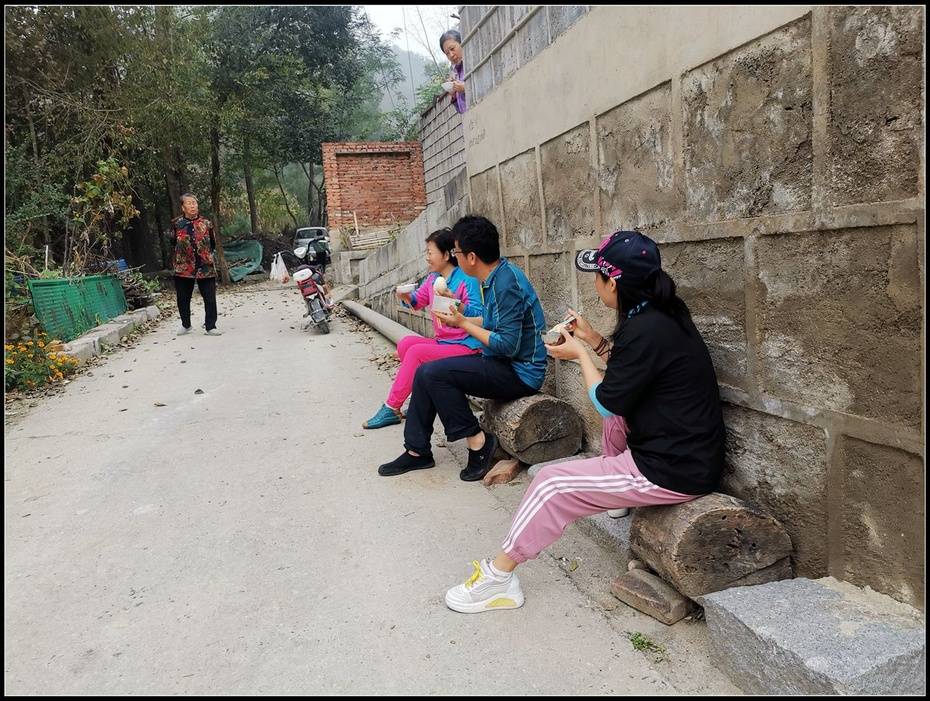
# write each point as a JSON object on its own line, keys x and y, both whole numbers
{"x": 413, "y": 352}
{"x": 560, "y": 494}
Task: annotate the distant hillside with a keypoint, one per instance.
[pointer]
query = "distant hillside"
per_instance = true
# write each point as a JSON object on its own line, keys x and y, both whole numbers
{"x": 417, "y": 63}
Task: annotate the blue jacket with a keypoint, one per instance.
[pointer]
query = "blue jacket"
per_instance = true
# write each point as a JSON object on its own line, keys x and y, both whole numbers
{"x": 514, "y": 316}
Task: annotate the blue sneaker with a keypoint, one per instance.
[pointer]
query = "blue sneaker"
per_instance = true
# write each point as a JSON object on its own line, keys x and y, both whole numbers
{"x": 386, "y": 416}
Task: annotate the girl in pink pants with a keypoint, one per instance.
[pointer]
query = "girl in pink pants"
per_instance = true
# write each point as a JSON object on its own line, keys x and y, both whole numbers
{"x": 448, "y": 342}
{"x": 663, "y": 434}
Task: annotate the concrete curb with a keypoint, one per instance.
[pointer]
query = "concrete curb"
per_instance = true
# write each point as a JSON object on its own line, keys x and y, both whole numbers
{"x": 93, "y": 342}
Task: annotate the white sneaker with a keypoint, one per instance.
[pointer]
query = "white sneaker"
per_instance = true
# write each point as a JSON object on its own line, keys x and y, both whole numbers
{"x": 183, "y": 330}
{"x": 618, "y": 513}
{"x": 213, "y": 332}
{"x": 484, "y": 591}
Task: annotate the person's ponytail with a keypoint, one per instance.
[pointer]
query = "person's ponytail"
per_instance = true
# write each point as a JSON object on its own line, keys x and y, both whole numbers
{"x": 660, "y": 292}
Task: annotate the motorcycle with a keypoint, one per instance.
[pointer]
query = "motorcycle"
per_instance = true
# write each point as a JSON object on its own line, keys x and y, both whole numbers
{"x": 314, "y": 253}
{"x": 312, "y": 288}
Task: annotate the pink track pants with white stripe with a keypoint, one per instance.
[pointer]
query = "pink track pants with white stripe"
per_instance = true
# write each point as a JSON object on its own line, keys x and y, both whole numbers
{"x": 560, "y": 494}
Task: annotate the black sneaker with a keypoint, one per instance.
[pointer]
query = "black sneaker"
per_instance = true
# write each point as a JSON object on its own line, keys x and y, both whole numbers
{"x": 480, "y": 461}
{"x": 406, "y": 463}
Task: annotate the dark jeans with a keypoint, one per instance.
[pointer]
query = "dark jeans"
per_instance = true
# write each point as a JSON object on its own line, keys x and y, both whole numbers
{"x": 184, "y": 286}
{"x": 441, "y": 386}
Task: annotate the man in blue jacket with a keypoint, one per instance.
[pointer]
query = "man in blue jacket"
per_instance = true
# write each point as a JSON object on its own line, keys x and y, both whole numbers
{"x": 512, "y": 363}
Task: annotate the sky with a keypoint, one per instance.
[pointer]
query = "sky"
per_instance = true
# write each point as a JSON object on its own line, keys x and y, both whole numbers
{"x": 435, "y": 19}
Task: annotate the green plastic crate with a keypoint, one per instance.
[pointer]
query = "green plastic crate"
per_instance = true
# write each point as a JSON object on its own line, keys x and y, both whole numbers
{"x": 68, "y": 307}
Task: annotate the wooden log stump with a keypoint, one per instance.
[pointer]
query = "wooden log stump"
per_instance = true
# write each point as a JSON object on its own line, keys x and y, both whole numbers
{"x": 711, "y": 543}
{"x": 534, "y": 429}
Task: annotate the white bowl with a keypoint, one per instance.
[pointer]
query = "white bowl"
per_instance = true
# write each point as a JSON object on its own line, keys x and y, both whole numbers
{"x": 407, "y": 289}
{"x": 447, "y": 86}
{"x": 443, "y": 304}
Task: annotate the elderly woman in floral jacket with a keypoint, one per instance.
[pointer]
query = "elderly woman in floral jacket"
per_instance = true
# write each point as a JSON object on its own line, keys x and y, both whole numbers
{"x": 195, "y": 244}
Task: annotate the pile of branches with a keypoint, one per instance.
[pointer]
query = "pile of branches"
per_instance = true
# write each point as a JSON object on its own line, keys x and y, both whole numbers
{"x": 139, "y": 290}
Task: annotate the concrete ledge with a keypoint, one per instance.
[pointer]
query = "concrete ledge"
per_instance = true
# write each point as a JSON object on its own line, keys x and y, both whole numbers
{"x": 344, "y": 292}
{"x": 92, "y": 343}
{"x": 823, "y": 636}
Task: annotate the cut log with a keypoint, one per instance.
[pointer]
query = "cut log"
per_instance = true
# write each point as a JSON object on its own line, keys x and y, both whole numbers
{"x": 534, "y": 429}
{"x": 711, "y": 543}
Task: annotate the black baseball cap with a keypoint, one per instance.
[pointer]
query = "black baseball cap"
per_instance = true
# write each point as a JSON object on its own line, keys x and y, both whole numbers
{"x": 629, "y": 257}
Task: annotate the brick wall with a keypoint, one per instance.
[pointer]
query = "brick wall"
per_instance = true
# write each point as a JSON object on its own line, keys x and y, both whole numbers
{"x": 381, "y": 182}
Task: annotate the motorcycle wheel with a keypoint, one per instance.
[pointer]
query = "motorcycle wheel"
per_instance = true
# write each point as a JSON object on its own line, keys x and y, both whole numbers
{"x": 324, "y": 326}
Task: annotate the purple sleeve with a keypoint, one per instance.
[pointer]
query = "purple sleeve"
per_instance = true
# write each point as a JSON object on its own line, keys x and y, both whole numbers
{"x": 460, "y": 104}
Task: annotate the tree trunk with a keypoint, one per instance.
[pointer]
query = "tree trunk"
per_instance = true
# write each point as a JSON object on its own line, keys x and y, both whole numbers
{"x": 284, "y": 195}
{"x": 215, "y": 196}
{"x": 535, "y": 429}
{"x": 711, "y": 543}
{"x": 321, "y": 200}
{"x": 163, "y": 229}
{"x": 35, "y": 155}
{"x": 249, "y": 188}
{"x": 309, "y": 175}
{"x": 173, "y": 188}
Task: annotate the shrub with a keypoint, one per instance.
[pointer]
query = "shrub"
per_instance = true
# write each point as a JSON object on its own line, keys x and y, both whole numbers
{"x": 33, "y": 363}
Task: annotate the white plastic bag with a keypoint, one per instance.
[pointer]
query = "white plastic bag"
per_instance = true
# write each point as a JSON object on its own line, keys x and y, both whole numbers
{"x": 279, "y": 270}
{"x": 274, "y": 267}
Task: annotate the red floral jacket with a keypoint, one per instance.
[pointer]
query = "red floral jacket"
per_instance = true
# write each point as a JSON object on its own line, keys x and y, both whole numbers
{"x": 194, "y": 245}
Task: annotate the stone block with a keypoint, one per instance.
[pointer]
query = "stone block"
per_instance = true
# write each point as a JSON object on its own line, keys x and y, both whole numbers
{"x": 506, "y": 60}
{"x": 635, "y": 163}
{"x": 481, "y": 82}
{"x": 550, "y": 277}
{"x": 484, "y": 194}
{"x": 515, "y": 13}
{"x": 83, "y": 348}
{"x": 839, "y": 321}
{"x": 876, "y": 127}
{"x": 492, "y": 31}
{"x": 561, "y": 17}
{"x": 883, "y": 517}
{"x": 503, "y": 472}
{"x": 808, "y": 637}
{"x": 710, "y": 279}
{"x": 648, "y": 593}
{"x": 533, "y": 36}
{"x": 568, "y": 185}
{"x": 747, "y": 129}
{"x": 781, "y": 466}
{"x": 520, "y": 190}
{"x": 109, "y": 334}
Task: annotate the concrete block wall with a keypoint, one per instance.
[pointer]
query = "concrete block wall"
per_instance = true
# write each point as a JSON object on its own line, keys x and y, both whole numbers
{"x": 443, "y": 140}
{"x": 777, "y": 155}
{"x": 380, "y": 183}
{"x": 499, "y": 39}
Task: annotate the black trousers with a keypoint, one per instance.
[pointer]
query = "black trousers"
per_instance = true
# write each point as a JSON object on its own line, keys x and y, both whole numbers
{"x": 184, "y": 286}
{"x": 441, "y": 387}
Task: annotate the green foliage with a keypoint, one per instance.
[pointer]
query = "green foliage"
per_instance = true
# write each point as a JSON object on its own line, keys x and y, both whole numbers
{"x": 91, "y": 90}
{"x": 643, "y": 644}
{"x": 102, "y": 209}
